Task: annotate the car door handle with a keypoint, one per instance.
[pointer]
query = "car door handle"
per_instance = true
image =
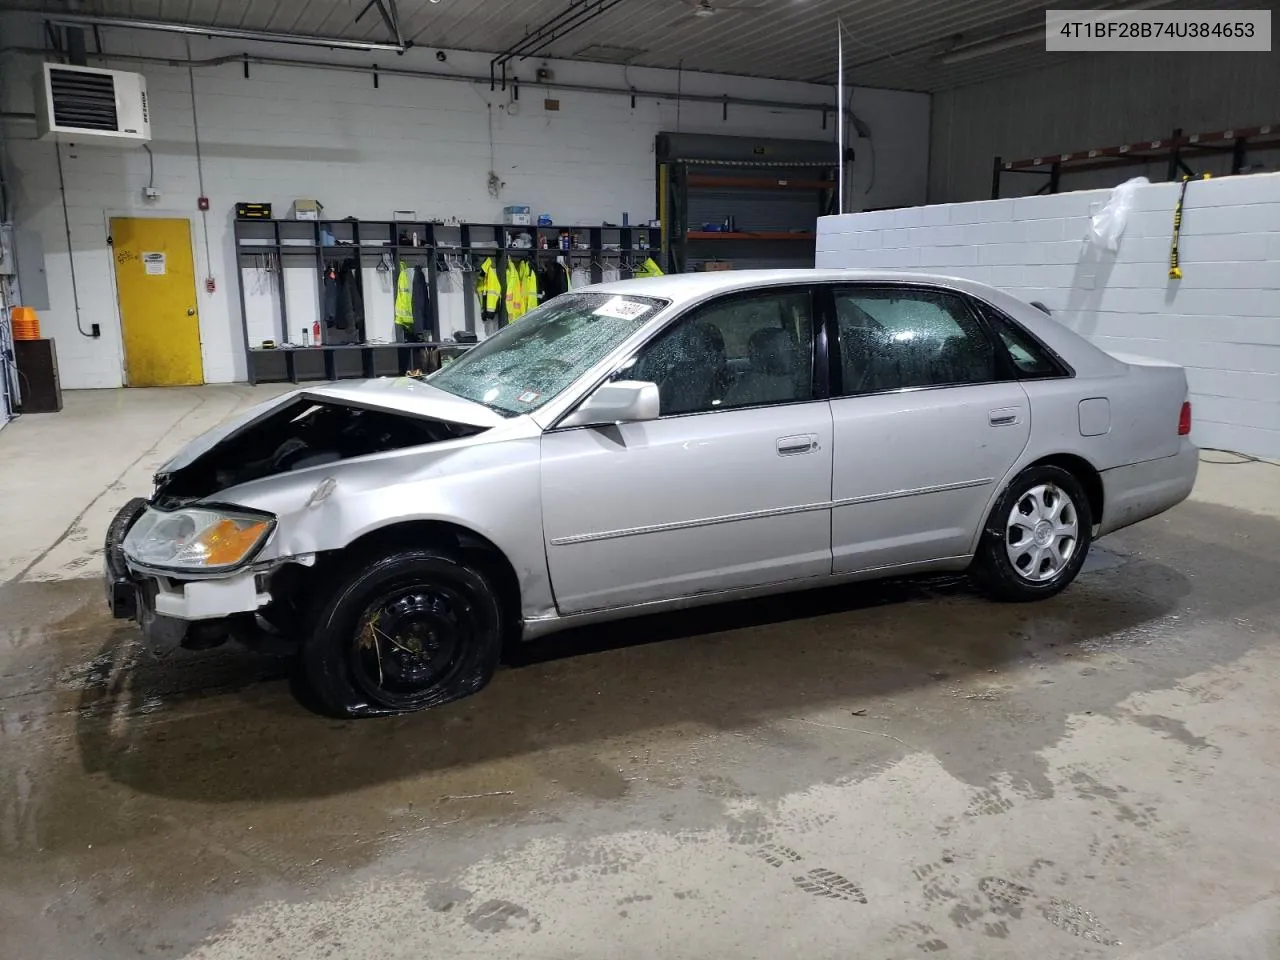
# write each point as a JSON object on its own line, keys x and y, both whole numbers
{"x": 1005, "y": 416}
{"x": 790, "y": 446}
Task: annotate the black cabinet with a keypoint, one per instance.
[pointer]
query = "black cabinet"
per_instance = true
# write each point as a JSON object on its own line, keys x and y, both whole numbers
{"x": 38, "y": 384}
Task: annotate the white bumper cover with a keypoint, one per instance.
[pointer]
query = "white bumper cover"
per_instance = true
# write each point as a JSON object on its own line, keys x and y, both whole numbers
{"x": 209, "y": 599}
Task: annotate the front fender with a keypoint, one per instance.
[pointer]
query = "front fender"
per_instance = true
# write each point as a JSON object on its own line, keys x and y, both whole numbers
{"x": 491, "y": 489}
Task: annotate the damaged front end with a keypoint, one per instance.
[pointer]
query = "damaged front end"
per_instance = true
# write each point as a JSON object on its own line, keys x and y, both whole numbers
{"x": 198, "y": 563}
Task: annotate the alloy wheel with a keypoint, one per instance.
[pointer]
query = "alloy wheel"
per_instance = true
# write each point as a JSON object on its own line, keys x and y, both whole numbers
{"x": 1042, "y": 533}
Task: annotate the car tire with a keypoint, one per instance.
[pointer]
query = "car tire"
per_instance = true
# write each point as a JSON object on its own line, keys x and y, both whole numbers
{"x": 402, "y": 631}
{"x": 1036, "y": 538}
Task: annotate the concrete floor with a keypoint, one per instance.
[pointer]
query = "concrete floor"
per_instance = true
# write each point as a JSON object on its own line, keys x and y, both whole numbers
{"x": 885, "y": 772}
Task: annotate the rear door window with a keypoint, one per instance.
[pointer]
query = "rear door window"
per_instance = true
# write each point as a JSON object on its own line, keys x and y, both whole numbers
{"x": 902, "y": 338}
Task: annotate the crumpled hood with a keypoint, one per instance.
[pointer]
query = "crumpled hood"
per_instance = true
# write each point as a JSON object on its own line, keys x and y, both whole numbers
{"x": 405, "y": 395}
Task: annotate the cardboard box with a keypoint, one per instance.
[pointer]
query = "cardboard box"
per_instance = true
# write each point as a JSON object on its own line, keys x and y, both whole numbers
{"x": 307, "y": 209}
{"x": 517, "y": 216}
{"x": 711, "y": 265}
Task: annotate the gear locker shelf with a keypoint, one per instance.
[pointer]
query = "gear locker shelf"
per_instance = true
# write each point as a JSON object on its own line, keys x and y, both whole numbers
{"x": 293, "y": 244}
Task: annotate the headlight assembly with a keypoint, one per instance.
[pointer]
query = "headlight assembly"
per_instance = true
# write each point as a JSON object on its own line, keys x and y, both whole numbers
{"x": 197, "y": 539}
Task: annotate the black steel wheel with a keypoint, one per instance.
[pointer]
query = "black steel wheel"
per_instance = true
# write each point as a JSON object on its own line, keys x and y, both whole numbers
{"x": 403, "y": 631}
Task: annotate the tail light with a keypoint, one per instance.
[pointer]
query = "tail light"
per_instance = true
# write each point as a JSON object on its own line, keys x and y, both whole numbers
{"x": 1184, "y": 419}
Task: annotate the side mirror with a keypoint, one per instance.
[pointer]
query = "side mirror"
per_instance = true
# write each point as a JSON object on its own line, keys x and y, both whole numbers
{"x": 618, "y": 402}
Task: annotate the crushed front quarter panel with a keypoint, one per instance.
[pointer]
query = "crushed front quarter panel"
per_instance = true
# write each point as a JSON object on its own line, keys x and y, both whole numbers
{"x": 488, "y": 484}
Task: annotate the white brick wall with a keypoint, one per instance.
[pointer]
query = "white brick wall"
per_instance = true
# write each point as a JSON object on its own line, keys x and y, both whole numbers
{"x": 1221, "y": 320}
{"x": 364, "y": 152}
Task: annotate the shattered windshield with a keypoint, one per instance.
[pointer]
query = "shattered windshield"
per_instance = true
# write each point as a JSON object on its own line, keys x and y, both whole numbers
{"x": 530, "y": 361}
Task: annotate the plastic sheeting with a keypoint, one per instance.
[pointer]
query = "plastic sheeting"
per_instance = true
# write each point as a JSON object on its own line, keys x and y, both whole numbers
{"x": 1107, "y": 225}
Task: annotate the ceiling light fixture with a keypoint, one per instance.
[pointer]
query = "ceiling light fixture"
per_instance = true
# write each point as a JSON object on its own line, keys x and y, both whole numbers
{"x": 1007, "y": 41}
{"x": 336, "y": 43}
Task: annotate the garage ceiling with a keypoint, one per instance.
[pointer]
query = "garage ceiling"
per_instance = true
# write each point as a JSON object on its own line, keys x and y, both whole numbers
{"x": 889, "y": 43}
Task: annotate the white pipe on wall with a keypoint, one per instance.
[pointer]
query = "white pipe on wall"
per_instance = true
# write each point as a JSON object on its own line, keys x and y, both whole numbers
{"x": 840, "y": 111}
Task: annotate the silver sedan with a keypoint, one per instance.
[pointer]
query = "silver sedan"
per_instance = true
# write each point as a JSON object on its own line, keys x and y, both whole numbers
{"x": 639, "y": 446}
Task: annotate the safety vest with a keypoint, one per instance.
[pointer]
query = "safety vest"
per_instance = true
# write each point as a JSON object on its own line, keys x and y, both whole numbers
{"x": 647, "y": 269}
{"x": 489, "y": 289}
{"x": 404, "y": 297}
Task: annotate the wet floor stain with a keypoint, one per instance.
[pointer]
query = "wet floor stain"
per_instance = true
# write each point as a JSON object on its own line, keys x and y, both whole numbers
{"x": 1174, "y": 729}
{"x": 496, "y": 916}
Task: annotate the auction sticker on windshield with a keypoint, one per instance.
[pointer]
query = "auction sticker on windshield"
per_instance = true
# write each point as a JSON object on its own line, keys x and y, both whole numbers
{"x": 529, "y": 396}
{"x": 620, "y": 309}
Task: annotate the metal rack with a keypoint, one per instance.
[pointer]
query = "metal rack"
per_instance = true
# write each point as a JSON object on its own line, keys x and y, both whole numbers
{"x": 1174, "y": 150}
{"x": 8, "y": 368}
{"x": 290, "y": 244}
{"x": 764, "y": 197}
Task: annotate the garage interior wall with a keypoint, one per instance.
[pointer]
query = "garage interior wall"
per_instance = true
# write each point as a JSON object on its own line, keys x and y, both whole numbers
{"x": 1095, "y": 100}
{"x": 409, "y": 143}
{"x": 1221, "y": 320}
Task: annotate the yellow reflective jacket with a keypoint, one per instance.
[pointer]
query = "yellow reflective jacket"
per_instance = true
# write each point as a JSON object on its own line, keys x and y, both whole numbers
{"x": 528, "y": 285}
{"x": 404, "y": 297}
{"x": 647, "y": 269}
{"x": 514, "y": 293}
{"x": 489, "y": 289}
{"x": 519, "y": 294}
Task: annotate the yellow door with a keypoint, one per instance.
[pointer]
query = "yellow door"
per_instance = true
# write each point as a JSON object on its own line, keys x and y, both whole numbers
{"x": 156, "y": 284}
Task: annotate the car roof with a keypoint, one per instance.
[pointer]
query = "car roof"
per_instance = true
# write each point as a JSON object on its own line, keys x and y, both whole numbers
{"x": 694, "y": 286}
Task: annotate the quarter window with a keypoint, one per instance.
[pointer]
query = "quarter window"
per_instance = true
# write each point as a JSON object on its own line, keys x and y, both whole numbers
{"x": 1030, "y": 360}
{"x": 891, "y": 339}
{"x": 741, "y": 351}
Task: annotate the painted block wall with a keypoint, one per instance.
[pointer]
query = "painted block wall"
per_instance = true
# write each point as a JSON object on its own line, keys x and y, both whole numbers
{"x": 1221, "y": 321}
{"x": 364, "y": 152}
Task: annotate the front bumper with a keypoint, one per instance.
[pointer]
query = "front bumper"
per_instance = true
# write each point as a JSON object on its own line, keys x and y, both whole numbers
{"x": 172, "y": 612}
{"x": 122, "y": 589}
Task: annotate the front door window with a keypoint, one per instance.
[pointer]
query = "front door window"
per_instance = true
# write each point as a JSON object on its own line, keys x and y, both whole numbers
{"x": 742, "y": 351}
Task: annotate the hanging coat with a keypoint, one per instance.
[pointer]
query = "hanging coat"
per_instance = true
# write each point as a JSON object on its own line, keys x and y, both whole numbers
{"x": 513, "y": 293}
{"x": 489, "y": 289}
{"x": 647, "y": 269}
{"x": 528, "y": 285}
{"x": 421, "y": 302}
{"x": 404, "y": 298}
{"x": 343, "y": 306}
{"x": 350, "y": 301}
{"x": 552, "y": 281}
